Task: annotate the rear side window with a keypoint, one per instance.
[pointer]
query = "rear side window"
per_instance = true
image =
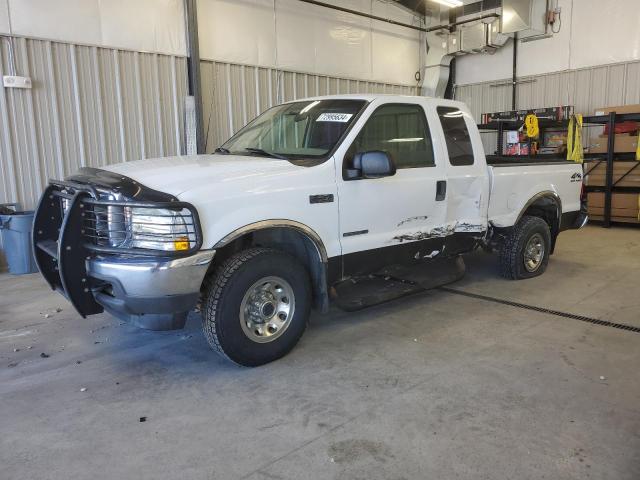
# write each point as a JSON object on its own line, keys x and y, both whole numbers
{"x": 456, "y": 135}
{"x": 400, "y": 130}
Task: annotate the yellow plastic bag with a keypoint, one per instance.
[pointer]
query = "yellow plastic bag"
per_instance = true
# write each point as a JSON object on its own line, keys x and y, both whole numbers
{"x": 574, "y": 139}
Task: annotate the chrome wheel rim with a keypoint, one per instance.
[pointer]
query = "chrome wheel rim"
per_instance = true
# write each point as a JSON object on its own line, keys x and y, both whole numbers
{"x": 267, "y": 309}
{"x": 534, "y": 253}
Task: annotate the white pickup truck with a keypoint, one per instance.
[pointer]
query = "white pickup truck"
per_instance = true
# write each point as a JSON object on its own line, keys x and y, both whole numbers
{"x": 310, "y": 198}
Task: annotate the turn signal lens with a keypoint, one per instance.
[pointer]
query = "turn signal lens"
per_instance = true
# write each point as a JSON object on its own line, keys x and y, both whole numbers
{"x": 181, "y": 243}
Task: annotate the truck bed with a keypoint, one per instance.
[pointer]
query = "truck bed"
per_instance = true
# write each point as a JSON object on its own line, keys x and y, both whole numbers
{"x": 513, "y": 184}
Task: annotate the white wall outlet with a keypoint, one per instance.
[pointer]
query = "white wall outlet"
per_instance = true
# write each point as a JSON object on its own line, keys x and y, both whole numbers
{"x": 14, "y": 81}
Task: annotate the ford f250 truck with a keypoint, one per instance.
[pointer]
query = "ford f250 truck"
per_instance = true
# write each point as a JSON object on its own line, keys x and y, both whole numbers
{"x": 304, "y": 204}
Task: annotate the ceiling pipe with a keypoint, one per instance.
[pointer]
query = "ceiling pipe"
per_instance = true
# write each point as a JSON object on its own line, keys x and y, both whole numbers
{"x": 363, "y": 14}
{"x": 448, "y": 26}
{"x": 394, "y": 22}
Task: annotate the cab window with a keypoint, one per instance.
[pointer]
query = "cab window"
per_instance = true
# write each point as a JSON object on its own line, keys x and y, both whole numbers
{"x": 456, "y": 135}
{"x": 400, "y": 130}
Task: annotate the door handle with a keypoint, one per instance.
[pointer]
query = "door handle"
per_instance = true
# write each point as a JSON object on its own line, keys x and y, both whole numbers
{"x": 441, "y": 190}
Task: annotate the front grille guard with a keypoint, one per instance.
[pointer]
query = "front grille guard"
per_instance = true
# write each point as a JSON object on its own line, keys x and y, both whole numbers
{"x": 62, "y": 242}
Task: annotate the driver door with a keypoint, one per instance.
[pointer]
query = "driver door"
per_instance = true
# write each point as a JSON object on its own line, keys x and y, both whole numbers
{"x": 398, "y": 219}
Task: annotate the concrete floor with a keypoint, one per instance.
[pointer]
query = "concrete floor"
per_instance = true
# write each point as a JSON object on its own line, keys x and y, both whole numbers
{"x": 434, "y": 386}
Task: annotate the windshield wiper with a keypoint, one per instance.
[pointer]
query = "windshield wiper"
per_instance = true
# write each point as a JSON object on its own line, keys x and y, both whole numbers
{"x": 221, "y": 150}
{"x": 264, "y": 152}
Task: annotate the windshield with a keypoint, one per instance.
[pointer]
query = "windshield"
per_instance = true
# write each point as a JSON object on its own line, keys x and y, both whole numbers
{"x": 308, "y": 129}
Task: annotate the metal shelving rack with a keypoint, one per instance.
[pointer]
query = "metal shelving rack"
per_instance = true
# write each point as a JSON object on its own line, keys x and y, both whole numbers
{"x": 609, "y": 157}
{"x": 502, "y": 126}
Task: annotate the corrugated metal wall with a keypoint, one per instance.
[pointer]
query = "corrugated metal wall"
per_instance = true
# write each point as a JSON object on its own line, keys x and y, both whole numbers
{"x": 235, "y": 94}
{"x": 586, "y": 89}
{"x": 89, "y": 106}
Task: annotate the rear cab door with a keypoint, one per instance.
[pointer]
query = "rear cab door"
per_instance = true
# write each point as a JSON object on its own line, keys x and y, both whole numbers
{"x": 397, "y": 219}
{"x": 467, "y": 176}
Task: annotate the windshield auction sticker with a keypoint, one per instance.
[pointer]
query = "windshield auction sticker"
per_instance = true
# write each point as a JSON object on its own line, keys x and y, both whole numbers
{"x": 334, "y": 117}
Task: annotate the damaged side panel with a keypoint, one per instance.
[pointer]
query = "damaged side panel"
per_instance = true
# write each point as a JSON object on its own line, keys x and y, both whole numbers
{"x": 442, "y": 231}
{"x": 413, "y": 219}
{"x": 458, "y": 237}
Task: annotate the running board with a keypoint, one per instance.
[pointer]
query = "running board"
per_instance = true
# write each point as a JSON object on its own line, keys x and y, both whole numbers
{"x": 396, "y": 282}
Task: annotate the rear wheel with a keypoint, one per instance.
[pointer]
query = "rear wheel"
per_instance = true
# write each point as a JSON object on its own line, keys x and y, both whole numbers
{"x": 525, "y": 251}
{"x": 256, "y": 306}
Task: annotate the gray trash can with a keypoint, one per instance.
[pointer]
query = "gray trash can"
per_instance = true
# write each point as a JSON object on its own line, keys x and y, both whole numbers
{"x": 15, "y": 228}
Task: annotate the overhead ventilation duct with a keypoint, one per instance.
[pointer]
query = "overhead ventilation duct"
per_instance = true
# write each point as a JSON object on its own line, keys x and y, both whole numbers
{"x": 473, "y": 38}
{"x": 469, "y": 34}
{"x": 483, "y": 31}
{"x": 439, "y": 55}
{"x": 527, "y": 18}
{"x": 482, "y": 37}
{"x": 495, "y": 37}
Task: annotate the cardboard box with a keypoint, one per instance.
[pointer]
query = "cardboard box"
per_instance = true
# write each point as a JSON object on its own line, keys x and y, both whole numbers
{"x": 623, "y": 143}
{"x": 620, "y": 109}
{"x": 618, "y": 200}
{"x": 625, "y": 173}
{"x": 624, "y": 206}
{"x": 615, "y": 219}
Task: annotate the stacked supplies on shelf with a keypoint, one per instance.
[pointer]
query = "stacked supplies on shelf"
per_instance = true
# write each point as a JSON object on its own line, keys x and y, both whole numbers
{"x": 625, "y": 191}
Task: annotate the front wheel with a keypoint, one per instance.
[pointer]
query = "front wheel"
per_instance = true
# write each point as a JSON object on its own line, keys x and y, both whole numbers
{"x": 525, "y": 251}
{"x": 256, "y": 306}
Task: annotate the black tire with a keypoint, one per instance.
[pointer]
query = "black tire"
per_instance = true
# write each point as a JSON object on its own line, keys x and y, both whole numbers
{"x": 512, "y": 251}
{"x": 223, "y": 295}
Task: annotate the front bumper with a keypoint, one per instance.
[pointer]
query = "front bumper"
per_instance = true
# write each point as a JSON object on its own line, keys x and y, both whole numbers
{"x": 151, "y": 293}
{"x": 151, "y": 288}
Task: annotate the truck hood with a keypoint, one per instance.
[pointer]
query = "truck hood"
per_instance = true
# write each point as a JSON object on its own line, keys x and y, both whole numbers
{"x": 176, "y": 175}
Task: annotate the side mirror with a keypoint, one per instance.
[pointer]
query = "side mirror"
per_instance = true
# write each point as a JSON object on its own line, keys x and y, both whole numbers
{"x": 372, "y": 164}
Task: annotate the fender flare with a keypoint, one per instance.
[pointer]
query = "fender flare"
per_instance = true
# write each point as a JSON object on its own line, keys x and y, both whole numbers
{"x": 277, "y": 223}
{"x": 540, "y": 195}
{"x": 322, "y": 281}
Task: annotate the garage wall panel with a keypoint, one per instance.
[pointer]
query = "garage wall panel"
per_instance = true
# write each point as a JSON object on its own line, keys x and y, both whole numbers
{"x": 308, "y": 37}
{"x": 144, "y": 25}
{"x": 141, "y": 25}
{"x": 4, "y": 17}
{"x": 233, "y": 95}
{"x": 632, "y": 88}
{"x": 66, "y": 20}
{"x": 395, "y": 51}
{"x": 295, "y": 36}
{"x": 89, "y": 106}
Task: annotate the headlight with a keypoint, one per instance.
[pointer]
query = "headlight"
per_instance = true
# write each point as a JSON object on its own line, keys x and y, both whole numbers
{"x": 159, "y": 229}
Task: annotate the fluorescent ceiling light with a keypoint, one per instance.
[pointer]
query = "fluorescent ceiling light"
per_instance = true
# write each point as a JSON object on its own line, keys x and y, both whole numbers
{"x": 398, "y": 140}
{"x": 449, "y": 3}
